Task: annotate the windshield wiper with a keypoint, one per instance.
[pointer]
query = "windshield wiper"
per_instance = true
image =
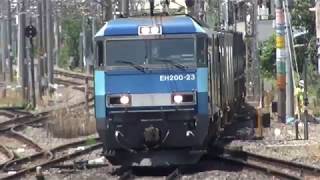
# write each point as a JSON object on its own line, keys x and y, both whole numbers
{"x": 138, "y": 67}
{"x": 175, "y": 64}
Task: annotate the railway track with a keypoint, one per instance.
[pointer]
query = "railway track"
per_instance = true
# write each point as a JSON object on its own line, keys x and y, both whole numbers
{"x": 7, "y": 153}
{"x": 23, "y": 120}
{"x": 166, "y": 173}
{"x": 72, "y": 74}
{"x": 74, "y": 80}
{"x": 19, "y": 119}
{"x": 45, "y": 159}
{"x": 269, "y": 165}
{"x": 12, "y": 112}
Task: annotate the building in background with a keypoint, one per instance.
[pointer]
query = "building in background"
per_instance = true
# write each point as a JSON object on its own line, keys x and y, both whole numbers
{"x": 266, "y": 16}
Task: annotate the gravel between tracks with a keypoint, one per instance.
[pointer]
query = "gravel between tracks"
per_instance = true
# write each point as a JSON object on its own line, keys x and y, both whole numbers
{"x": 206, "y": 171}
{"x": 19, "y": 148}
{"x": 3, "y": 119}
{"x": 279, "y": 142}
{"x": 3, "y": 158}
{"x": 46, "y": 140}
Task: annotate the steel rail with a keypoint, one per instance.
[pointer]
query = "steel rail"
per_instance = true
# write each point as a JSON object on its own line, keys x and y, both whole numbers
{"x": 126, "y": 175}
{"x": 34, "y": 118}
{"x": 270, "y": 164}
{"x": 8, "y": 153}
{"x": 7, "y": 114}
{"x": 52, "y": 160}
{"x": 72, "y": 74}
{"x": 174, "y": 175}
{"x": 260, "y": 167}
{"x": 22, "y": 138}
{"x": 67, "y": 82}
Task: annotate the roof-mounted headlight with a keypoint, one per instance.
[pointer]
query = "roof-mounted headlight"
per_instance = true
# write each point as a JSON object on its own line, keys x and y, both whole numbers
{"x": 150, "y": 30}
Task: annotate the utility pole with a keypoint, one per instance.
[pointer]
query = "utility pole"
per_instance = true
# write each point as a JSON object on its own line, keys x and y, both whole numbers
{"x": 291, "y": 57}
{"x": 213, "y": 14}
{"x": 124, "y": 8}
{"x": 107, "y": 11}
{"x": 49, "y": 44}
{"x": 21, "y": 47}
{"x": 201, "y": 10}
{"x": 94, "y": 30}
{"x": 30, "y": 32}
{"x": 44, "y": 37}
{"x": 317, "y": 10}
{"x": 1, "y": 44}
{"x": 4, "y": 34}
{"x": 57, "y": 36}
{"x": 41, "y": 44}
{"x": 9, "y": 35}
{"x": 281, "y": 60}
{"x": 226, "y": 15}
{"x": 82, "y": 44}
{"x": 305, "y": 97}
{"x": 252, "y": 61}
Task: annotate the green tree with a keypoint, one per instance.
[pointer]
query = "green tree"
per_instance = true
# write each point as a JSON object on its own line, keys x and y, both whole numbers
{"x": 268, "y": 56}
{"x": 302, "y": 19}
{"x": 71, "y": 33}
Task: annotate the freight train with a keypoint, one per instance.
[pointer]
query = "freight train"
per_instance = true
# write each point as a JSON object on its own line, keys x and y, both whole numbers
{"x": 165, "y": 86}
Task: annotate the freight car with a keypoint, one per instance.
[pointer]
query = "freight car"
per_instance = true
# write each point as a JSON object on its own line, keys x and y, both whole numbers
{"x": 164, "y": 88}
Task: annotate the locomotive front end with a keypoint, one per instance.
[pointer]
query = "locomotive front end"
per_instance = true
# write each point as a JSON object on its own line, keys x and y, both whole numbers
{"x": 151, "y": 94}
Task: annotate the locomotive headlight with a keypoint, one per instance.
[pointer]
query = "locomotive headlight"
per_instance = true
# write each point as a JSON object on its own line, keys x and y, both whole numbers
{"x": 124, "y": 100}
{"x": 145, "y": 30}
{"x": 155, "y": 30}
{"x": 178, "y": 99}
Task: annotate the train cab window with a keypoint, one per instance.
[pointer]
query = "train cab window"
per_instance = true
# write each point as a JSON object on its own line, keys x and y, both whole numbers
{"x": 201, "y": 52}
{"x": 99, "y": 54}
{"x": 124, "y": 52}
{"x": 180, "y": 50}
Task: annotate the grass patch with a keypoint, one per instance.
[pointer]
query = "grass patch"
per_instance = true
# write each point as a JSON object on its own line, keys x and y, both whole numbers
{"x": 11, "y": 98}
{"x": 90, "y": 141}
{"x": 72, "y": 123}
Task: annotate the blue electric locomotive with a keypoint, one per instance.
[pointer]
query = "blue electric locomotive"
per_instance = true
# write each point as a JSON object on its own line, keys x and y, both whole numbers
{"x": 159, "y": 94}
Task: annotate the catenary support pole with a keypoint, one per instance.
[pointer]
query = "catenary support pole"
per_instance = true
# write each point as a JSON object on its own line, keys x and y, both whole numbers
{"x": 317, "y": 9}
{"x": 44, "y": 37}
{"x": 57, "y": 37}
{"x": 125, "y": 8}
{"x": 49, "y": 44}
{"x": 41, "y": 44}
{"x": 305, "y": 97}
{"x": 4, "y": 38}
{"x": 9, "y": 36}
{"x": 32, "y": 97}
{"x": 94, "y": 30}
{"x": 289, "y": 73}
{"x": 281, "y": 60}
{"x": 21, "y": 48}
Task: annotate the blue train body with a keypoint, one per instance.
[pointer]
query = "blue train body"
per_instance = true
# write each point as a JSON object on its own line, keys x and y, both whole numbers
{"x": 154, "y": 100}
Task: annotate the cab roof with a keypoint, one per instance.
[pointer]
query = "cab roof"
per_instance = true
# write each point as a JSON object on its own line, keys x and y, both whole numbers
{"x": 170, "y": 25}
